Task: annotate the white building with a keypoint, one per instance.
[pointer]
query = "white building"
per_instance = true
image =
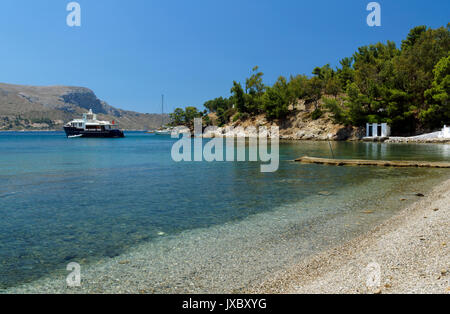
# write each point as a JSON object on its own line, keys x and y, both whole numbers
{"x": 374, "y": 130}
{"x": 445, "y": 133}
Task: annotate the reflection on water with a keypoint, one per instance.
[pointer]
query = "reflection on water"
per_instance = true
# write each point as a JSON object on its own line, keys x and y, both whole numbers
{"x": 63, "y": 200}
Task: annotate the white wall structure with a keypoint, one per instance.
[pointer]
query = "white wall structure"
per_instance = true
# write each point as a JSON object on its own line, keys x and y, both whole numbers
{"x": 445, "y": 133}
{"x": 378, "y": 130}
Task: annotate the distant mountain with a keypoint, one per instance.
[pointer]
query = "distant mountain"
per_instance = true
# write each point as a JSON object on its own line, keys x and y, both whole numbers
{"x": 50, "y": 107}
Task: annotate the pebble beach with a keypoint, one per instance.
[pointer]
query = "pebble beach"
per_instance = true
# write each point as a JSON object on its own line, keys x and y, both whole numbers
{"x": 411, "y": 250}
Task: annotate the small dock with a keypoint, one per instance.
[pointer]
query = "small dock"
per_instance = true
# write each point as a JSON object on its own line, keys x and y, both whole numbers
{"x": 377, "y": 163}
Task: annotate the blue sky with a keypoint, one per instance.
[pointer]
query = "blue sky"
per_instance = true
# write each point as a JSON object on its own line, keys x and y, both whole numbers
{"x": 131, "y": 52}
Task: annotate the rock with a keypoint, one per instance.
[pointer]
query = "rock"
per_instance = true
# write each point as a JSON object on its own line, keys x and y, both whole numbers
{"x": 420, "y": 195}
{"x": 387, "y": 286}
{"x": 443, "y": 272}
{"x": 436, "y": 209}
{"x": 403, "y": 199}
{"x": 378, "y": 291}
{"x": 368, "y": 212}
{"x": 324, "y": 193}
{"x": 124, "y": 262}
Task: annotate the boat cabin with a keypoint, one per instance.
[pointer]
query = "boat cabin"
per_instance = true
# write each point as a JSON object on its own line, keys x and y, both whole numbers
{"x": 90, "y": 123}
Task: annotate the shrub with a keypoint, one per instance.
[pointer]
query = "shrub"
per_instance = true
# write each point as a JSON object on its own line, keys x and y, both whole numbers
{"x": 337, "y": 112}
{"x": 244, "y": 116}
{"x": 316, "y": 114}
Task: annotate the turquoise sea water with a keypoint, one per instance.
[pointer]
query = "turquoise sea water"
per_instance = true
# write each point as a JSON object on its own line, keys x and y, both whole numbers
{"x": 64, "y": 200}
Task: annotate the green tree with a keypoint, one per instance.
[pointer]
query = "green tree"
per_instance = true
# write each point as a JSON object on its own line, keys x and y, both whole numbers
{"x": 346, "y": 74}
{"x": 189, "y": 115}
{"x": 254, "y": 89}
{"x": 324, "y": 73}
{"x": 254, "y": 84}
{"x": 239, "y": 97}
{"x": 276, "y": 100}
{"x": 413, "y": 36}
{"x": 338, "y": 113}
{"x": 314, "y": 90}
{"x": 333, "y": 86}
{"x": 437, "y": 112}
{"x": 177, "y": 117}
{"x": 220, "y": 102}
{"x": 414, "y": 67}
{"x": 357, "y": 105}
{"x": 297, "y": 87}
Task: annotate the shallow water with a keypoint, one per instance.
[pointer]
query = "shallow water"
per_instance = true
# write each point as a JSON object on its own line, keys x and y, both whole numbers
{"x": 88, "y": 199}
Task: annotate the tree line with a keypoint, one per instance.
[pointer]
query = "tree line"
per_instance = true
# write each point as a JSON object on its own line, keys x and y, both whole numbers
{"x": 406, "y": 87}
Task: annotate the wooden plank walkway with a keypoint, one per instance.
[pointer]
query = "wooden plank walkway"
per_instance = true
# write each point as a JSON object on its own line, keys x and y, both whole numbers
{"x": 378, "y": 163}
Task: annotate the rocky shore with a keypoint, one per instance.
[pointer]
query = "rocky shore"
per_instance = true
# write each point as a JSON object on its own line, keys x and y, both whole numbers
{"x": 409, "y": 253}
{"x": 297, "y": 127}
{"x": 301, "y": 127}
{"x": 418, "y": 140}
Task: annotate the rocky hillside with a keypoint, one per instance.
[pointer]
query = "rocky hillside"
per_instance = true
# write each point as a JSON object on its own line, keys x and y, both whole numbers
{"x": 298, "y": 125}
{"x": 49, "y": 107}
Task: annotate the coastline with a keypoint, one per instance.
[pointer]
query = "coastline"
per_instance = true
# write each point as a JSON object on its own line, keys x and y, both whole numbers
{"x": 411, "y": 249}
{"x": 308, "y": 138}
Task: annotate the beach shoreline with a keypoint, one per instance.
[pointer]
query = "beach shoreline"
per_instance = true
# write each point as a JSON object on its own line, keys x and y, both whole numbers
{"x": 336, "y": 270}
{"x": 410, "y": 249}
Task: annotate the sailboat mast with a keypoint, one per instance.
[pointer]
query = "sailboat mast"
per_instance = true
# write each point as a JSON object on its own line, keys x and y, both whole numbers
{"x": 162, "y": 110}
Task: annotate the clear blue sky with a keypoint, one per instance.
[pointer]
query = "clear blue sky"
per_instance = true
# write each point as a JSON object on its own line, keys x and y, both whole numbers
{"x": 130, "y": 52}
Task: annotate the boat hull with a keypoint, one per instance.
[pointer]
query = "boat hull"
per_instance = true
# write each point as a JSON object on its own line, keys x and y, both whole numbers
{"x": 94, "y": 134}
